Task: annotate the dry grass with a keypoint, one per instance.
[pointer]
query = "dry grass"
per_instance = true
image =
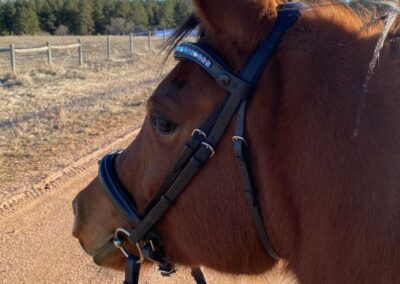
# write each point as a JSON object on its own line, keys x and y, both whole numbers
{"x": 51, "y": 116}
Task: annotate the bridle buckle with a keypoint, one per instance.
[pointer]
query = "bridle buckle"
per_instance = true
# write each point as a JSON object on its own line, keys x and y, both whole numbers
{"x": 239, "y": 138}
{"x": 209, "y": 148}
{"x": 118, "y": 243}
{"x": 167, "y": 270}
{"x": 200, "y": 132}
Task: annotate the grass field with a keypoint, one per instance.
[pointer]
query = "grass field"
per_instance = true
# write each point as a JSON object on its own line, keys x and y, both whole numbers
{"x": 53, "y": 115}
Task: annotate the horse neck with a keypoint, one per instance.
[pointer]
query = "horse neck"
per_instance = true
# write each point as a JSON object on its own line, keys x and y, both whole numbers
{"x": 321, "y": 188}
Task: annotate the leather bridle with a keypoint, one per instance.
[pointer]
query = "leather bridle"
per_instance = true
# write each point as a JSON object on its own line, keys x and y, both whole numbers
{"x": 198, "y": 150}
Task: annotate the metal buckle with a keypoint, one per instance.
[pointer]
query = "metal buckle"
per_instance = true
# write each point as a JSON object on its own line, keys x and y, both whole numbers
{"x": 209, "y": 147}
{"x": 239, "y": 138}
{"x": 199, "y": 131}
{"x": 167, "y": 271}
{"x": 118, "y": 243}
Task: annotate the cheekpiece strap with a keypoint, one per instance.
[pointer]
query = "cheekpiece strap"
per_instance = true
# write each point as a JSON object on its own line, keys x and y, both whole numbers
{"x": 288, "y": 14}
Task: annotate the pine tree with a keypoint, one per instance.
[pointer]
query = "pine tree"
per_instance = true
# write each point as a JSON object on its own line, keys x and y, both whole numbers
{"x": 153, "y": 12}
{"x": 167, "y": 12}
{"x": 99, "y": 19}
{"x": 2, "y": 28}
{"x": 8, "y": 16}
{"x": 25, "y": 19}
{"x": 85, "y": 19}
{"x": 183, "y": 8}
{"x": 139, "y": 15}
{"x": 109, "y": 10}
{"x": 46, "y": 15}
{"x": 69, "y": 15}
{"x": 89, "y": 16}
{"x": 122, "y": 9}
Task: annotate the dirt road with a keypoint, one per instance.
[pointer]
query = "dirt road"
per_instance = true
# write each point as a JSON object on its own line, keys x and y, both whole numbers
{"x": 36, "y": 245}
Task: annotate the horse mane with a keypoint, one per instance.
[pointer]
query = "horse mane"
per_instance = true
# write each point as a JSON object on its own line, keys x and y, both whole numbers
{"x": 369, "y": 17}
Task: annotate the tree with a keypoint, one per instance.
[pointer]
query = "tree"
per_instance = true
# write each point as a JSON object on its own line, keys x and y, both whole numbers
{"x": 122, "y": 9}
{"x": 89, "y": 16}
{"x": 25, "y": 19}
{"x": 69, "y": 15}
{"x": 182, "y": 10}
{"x": 119, "y": 26}
{"x": 99, "y": 19}
{"x": 46, "y": 15}
{"x": 7, "y": 16}
{"x": 61, "y": 30}
{"x": 167, "y": 12}
{"x": 84, "y": 18}
{"x": 2, "y": 28}
{"x": 139, "y": 15}
{"x": 109, "y": 9}
{"x": 153, "y": 12}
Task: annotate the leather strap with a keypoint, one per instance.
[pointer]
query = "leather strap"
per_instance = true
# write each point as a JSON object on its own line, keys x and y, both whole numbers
{"x": 202, "y": 145}
{"x": 288, "y": 14}
{"x": 116, "y": 191}
{"x": 132, "y": 270}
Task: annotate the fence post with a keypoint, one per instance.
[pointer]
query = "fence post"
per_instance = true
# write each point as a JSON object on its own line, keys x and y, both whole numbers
{"x": 49, "y": 59}
{"x": 12, "y": 58}
{"x": 149, "y": 41}
{"x": 80, "y": 51}
{"x": 109, "y": 48}
{"x": 131, "y": 42}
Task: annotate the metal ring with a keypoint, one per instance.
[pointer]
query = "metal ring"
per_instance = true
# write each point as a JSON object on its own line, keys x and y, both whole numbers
{"x": 236, "y": 138}
{"x": 119, "y": 245}
{"x": 209, "y": 147}
{"x": 118, "y": 241}
{"x": 199, "y": 131}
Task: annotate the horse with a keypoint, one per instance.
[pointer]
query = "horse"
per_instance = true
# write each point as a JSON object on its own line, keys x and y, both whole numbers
{"x": 324, "y": 152}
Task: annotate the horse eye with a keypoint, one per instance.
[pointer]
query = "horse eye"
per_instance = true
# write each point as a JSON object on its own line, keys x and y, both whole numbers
{"x": 162, "y": 125}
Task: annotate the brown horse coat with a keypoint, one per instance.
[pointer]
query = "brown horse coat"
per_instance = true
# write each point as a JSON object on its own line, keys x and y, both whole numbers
{"x": 330, "y": 201}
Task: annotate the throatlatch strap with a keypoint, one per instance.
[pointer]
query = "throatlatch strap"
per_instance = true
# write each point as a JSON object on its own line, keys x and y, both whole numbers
{"x": 288, "y": 14}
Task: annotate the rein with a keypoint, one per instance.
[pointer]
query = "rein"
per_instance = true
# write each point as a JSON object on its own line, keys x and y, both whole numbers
{"x": 197, "y": 151}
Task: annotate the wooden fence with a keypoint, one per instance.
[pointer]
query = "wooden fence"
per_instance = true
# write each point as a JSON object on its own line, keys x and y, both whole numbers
{"x": 48, "y": 48}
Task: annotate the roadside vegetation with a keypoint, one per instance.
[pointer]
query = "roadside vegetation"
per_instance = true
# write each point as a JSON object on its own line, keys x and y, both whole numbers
{"x": 53, "y": 116}
{"x": 90, "y": 17}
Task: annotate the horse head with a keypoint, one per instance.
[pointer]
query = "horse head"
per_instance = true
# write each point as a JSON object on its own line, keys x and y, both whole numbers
{"x": 327, "y": 198}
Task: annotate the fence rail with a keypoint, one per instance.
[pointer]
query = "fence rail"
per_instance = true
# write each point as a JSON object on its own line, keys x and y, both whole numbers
{"x": 70, "y": 46}
{"x": 14, "y": 51}
{"x": 31, "y": 50}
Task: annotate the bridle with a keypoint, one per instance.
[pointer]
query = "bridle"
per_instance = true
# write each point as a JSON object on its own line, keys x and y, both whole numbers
{"x": 197, "y": 151}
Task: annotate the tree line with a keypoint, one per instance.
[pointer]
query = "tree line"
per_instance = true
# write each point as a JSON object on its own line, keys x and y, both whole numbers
{"x": 86, "y": 17}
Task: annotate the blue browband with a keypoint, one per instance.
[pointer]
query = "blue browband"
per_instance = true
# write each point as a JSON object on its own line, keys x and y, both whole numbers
{"x": 199, "y": 149}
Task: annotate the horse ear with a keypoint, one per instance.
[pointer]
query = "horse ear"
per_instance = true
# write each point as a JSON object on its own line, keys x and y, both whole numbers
{"x": 236, "y": 19}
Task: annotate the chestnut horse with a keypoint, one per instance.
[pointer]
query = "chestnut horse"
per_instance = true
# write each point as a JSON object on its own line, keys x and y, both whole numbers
{"x": 330, "y": 200}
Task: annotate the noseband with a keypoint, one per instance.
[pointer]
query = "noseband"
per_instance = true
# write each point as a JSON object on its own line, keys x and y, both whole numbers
{"x": 198, "y": 150}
